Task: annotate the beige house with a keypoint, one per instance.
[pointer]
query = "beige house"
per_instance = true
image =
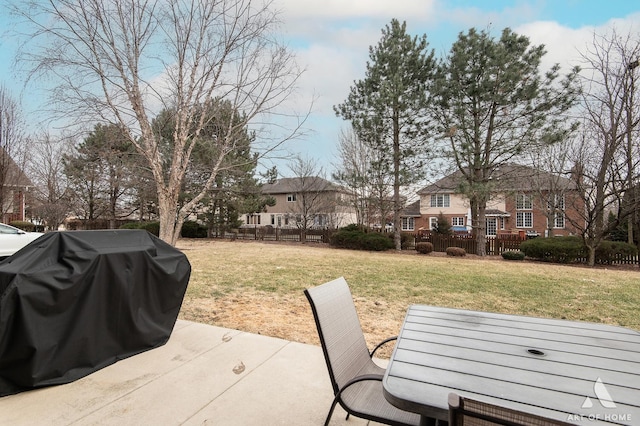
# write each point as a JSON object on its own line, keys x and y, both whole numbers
{"x": 306, "y": 203}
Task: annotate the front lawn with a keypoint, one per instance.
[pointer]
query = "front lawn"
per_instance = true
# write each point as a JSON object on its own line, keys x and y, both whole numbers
{"x": 258, "y": 287}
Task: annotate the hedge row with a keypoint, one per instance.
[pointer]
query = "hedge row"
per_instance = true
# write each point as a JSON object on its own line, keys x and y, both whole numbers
{"x": 152, "y": 227}
{"x": 190, "y": 229}
{"x": 27, "y": 226}
{"x": 571, "y": 249}
{"x": 355, "y": 238}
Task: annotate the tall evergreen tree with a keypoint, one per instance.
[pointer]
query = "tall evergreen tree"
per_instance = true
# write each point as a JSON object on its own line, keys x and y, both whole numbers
{"x": 388, "y": 109}
{"x": 491, "y": 103}
{"x": 234, "y": 182}
{"x": 100, "y": 174}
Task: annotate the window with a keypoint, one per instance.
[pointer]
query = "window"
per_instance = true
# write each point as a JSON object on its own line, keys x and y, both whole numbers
{"x": 440, "y": 200}
{"x": 558, "y": 220}
{"x": 408, "y": 224}
{"x": 524, "y": 202}
{"x": 492, "y": 226}
{"x": 320, "y": 220}
{"x": 253, "y": 219}
{"x": 291, "y": 198}
{"x": 556, "y": 203}
{"x": 524, "y": 219}
{"x": 273, "y": 219}
{"x": 457, "y": 221}
{"x": 433, "y": 222}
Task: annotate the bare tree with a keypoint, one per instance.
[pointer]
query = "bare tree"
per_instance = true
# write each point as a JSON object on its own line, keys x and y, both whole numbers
{"x": 51, "y": 186}
{"x": 555, "y": 190}
{"x": 606, "y": 164}
{"x": 13, "y": 151}
{"x": 312, "y": 191}
{"x": 352, "y": 172}
{"x": 125, "y": 60}
{"x": 370, "y": 185}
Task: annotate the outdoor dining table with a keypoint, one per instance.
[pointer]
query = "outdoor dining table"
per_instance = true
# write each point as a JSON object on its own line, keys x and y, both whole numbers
{"x": 578, "y": 372}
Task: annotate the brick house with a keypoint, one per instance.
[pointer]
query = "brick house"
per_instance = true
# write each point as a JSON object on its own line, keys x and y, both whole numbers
{"x": 524, "y": 200}
{"x": 15, "y": 188}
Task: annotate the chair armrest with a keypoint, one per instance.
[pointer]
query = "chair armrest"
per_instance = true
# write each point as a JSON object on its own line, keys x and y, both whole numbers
{"x": 364, "y": 377}
{"x": 385, "y": 341}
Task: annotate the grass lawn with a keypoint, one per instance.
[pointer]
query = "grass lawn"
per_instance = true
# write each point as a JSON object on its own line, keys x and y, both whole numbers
{"x": 258, "y": 287}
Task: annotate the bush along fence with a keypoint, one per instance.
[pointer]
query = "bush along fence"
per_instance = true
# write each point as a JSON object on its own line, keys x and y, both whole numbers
{"x": 495, "y": 246}
{"x": 563, "y": 249}
{"x": 557, "y": 250}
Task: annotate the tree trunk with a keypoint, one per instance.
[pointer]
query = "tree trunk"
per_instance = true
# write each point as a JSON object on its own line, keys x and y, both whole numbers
{"x": 481, "y": 233}
{"x": 397, "y": 207}
{"x": 591, "y": 260}
{"x": 168, "y": 215}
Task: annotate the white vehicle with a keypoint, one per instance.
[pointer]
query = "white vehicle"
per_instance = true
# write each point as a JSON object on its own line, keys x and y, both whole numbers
{"x": 13, "y": 239}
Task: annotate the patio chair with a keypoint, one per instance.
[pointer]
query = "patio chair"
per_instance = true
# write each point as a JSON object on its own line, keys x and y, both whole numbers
{"x": 465, "y": 411}
{"x": 355, "y": 378}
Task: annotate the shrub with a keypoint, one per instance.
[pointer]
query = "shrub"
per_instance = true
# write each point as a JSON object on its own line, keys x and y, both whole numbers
{"x": 513, "y": 255}
{"x": 456, "y": 251}
{"x": 443, "y": 226}
{"x": 554, "y": 249}
{"x": 407, "y": 239}
{"x": 151, "y": 227}
{"x": 359, "y": 240}
{"x": 191, "y": 229}
{"x": 25, "y": 226}
{"x": 345, "y": 239}
{"x": 607, "y": 251}
{"x": 424, "y": 247}
{"x": 375, "y": 241}
{"x": 353, "y": 227}
{"x": 131, "y": 225}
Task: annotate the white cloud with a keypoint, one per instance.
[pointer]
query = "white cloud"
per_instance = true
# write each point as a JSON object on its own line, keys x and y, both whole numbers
{"x": 348, "y": 9}
{"x": 565, "y": 45}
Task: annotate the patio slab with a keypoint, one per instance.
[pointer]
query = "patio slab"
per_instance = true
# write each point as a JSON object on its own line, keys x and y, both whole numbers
{"x": 204, "y": 375}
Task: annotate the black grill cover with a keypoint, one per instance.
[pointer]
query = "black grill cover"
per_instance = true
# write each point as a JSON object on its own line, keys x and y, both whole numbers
{"x": 74, "y": 302}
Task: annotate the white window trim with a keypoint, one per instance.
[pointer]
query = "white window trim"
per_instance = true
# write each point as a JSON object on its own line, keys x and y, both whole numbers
{"x": 521, "y": 221}
{"x": 524, "y": 202}
{"x": 444, "y": 198}
{"x": 408, "y": 224}
{"x": 455, "y": 220}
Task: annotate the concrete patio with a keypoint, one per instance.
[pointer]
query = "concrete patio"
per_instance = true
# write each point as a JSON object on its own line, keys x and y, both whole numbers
{"x": 204, "y": 375}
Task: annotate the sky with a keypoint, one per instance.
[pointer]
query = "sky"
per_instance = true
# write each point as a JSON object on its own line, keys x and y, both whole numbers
{"x": 331, "y": 40}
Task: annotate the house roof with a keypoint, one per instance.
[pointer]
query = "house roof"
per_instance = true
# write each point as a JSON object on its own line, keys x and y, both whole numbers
{"x": 412, "y": 209}
{"x": 15, "y": 176}
{"x": 300, "y": 184}
{"x": 496, "y": 213}
{"x": 510, "y": 177}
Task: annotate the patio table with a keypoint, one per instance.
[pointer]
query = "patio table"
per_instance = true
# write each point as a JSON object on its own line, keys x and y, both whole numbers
{"x": 577, "y": 372}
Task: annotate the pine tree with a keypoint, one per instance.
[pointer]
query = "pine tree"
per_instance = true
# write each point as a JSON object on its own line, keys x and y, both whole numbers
{"x": 387, "y": 109}
{"x": 491, "y": 103}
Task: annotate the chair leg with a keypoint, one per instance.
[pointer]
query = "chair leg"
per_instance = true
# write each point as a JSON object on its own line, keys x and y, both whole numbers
{"x": 333, "y": 406}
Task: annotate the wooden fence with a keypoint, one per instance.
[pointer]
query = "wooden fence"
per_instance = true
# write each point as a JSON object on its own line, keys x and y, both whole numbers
{"x": 495, "y": 246}
{"x": 268, "y": 233}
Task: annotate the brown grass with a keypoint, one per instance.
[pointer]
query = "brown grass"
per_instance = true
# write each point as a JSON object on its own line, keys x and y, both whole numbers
{"x": 258, "y": 287}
